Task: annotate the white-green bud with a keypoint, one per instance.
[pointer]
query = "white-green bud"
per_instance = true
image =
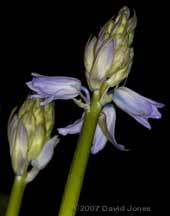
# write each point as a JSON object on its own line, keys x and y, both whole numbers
{"x": 28, "y": 131}
{"x": 110, "y": 54}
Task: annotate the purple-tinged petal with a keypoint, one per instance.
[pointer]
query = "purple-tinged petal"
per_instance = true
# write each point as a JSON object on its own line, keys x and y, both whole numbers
{"x": 36, "y": 96}
{"x": 157, "y": 104}
{"x": 99, "y": 138}
{"x": 136, "y": 105}
{"x": 33, "y": 88}
{"x": 99, "y": 141}
{"x": 155, "y": 113}
{"x": 72, "y": 128}
{"x": 87, "y": 94}
{"x": 89, "y": 54}
{"x": 51, "y": 85}
{"x": 130, "y": 101}
{"x": 107, "y": 122}
{"x": 103, "y": 61}
{"x": 47, "y": 101}
{"x": 143, "y": 121}
{"x": 100, "y": 42}
{"x": 46, "y": 153}
{"x": 57, "y": 87}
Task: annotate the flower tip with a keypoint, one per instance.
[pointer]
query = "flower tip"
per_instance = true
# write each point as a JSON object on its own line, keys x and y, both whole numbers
{"x": 122, "y": 147}
{"x": 161, "y": 105}
{"x": 158, "y": 116}
{"x": 36, "y": 74}
{"x": 62, "y": 131}
{"x": 149, "y": 127}
{"x": 29, "y": 84}
{"x": 126, "y": 150}
{"x": 43, "y": 103}
{"x": 95, "y": 150}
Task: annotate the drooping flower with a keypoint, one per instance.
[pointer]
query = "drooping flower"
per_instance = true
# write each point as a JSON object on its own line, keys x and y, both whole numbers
{"x": 54, "y": 87}
{"x": 136, "y": 105}
{"x": 139, "y": 107}
{"x": 29, "y": 135}
{"x": 109, "y": 57}
{"x": 105, "y": 129}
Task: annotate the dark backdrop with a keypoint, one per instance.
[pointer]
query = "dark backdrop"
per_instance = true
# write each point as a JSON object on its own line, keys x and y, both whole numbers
{"x": 50, "y": 39}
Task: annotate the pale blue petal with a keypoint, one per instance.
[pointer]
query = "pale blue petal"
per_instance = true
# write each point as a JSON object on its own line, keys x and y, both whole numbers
{"x": 137, "y": 106}
{"x": 143, "y": 121}
{"x": 89, "y": 54}
{"x": 56, "y": 87}
{"x": 157, "y": 104}
{"x": 103, "y": 61}
{"x": 36, "y": 96}
{"x": 72, "y": 128}
{"x": 130, "y": 101}
{"x": 46, "y": 154}
{"x": 99, "y": 141}
{"x": 47, "y": 101}
{"x": 110, "y": 123}
{"x": 86, "y": 92}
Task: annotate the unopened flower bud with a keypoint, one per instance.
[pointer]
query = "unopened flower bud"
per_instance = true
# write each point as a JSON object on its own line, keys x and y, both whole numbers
{"x": 28, "y": 131}
{"x": 111, "y": 52}
{"x": 18, "y": 141}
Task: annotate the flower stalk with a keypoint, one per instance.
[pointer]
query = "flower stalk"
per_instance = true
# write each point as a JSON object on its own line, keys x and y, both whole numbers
{"x": 31, "y": 146}
{"x": 16, "y": 196}
{"x": 80, "y": 159}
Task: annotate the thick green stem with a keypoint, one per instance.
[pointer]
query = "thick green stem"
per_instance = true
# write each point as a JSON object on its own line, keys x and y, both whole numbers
{"x": 16, "y": 196}
{"x": 80, "y": 159}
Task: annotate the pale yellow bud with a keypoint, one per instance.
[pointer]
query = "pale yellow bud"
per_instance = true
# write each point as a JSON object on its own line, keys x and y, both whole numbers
{"x": 28, "y": 131}
{"x": 111, "y": 52}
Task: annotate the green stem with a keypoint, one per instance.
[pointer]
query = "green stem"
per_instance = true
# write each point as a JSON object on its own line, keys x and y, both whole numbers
{"x": 16, "y": 196}
{"x": 80, "y": 159}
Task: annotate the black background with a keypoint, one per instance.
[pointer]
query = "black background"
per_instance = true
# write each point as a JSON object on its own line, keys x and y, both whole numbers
{"x": 50, "y": 39}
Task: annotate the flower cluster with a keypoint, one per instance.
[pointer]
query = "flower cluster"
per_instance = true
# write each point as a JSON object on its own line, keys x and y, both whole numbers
{"x": 137, "y": 106}
{"x": 108, "y": 60}
{"x": 29, "y": 135}
{"x": 108, "y": 57}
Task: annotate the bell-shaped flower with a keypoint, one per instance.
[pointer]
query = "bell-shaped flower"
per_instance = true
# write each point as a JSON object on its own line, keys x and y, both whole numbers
{"x": 54, "y": 87}
{"x": 136, "y": 105}
{"x": 105, "y": 129}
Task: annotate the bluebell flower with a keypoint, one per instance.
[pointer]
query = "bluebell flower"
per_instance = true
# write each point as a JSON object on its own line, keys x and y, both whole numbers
{"x": 105, "y": 129}
{"x": 136, "y": 105}
{"x": 139, "y": 107}
{"x": 54, "y": 87}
